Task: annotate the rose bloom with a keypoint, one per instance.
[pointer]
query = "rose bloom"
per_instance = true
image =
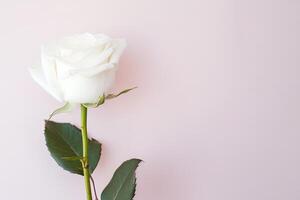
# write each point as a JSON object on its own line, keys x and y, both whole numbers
{"x": 79, "y": 68}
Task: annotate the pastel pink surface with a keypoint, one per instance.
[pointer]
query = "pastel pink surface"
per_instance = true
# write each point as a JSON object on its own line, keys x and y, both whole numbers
{"x": 215, "y": 115}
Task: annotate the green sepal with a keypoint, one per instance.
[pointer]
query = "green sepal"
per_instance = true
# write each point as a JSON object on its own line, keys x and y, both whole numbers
{"x": 65, "y": 108}
{"x": 64, "y": 142}
{"x": 100, "y": 101}
{"x": 123, "y": 183}
{"x": 103, "y": 98}
{"x": 111, "y": 96}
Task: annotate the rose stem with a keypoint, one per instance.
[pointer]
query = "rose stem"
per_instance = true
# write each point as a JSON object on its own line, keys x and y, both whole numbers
{"x": 85, "y": 163}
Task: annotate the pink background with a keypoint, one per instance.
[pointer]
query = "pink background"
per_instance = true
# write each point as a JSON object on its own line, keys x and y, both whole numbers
{"x": 216, "y": 114}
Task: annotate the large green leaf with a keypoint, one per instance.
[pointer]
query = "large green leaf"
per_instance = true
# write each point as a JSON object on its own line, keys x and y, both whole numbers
{"x": 123, "y": 183}
{"x": 65, "y": 145}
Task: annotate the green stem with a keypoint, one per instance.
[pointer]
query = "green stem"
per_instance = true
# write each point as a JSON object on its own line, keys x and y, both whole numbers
{"x": 85, "y": 146}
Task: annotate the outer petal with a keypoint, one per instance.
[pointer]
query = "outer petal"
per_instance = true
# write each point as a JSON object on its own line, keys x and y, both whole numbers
{"x": 48, "y": 63}
{"x": 119, "y": 46}
{"x": 38, "y": 75}
{"x": 81, "y": 89}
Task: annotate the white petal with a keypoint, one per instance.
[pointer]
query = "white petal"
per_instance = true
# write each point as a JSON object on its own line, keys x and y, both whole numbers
{"x": 102, "y": 38}
{"x": 92, "y": 71}
{"x": 94, "y": 59}
{"x": 93, "y": 64}
{"x": 119, "y": 46}
{"x": 81, "y": 89}
{"x": 38, "y": 75}
{"x": 83, "y": 41}
{"x": 48, "y": 64}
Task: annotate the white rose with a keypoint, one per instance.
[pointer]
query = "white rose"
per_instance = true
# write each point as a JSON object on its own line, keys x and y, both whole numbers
{"x": 79, "y": 68}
